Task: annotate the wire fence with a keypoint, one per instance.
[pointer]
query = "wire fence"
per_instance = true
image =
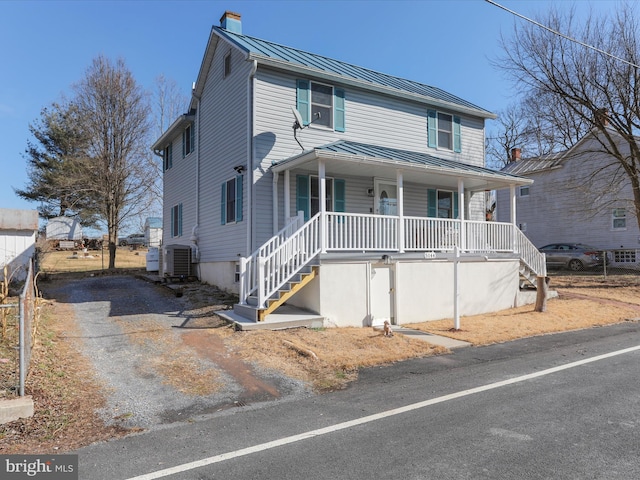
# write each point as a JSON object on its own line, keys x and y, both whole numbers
{"x": 613, "y": 267}
{"x": 19, "y": 319}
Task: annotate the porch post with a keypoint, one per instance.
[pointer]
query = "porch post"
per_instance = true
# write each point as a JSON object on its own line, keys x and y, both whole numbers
{"x": 512, "y": 192}
{"x": 274, "y": 188}
{"x": 461, "y": 205}
{"x": 399, "y": 180}
{"x": 287, "y": 196}
{"x": 323, "y": 205}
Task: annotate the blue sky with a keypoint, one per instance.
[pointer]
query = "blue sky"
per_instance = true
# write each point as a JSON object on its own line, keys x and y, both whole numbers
{"x": 47, "y": 46}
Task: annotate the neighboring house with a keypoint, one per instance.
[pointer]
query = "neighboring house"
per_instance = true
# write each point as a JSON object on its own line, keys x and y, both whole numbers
{"x": 153, "y": 231}
{"x": 387, "y": 175}
{"x": 64, "y": 228}
{"x": 578, "y": 196}
{"x": 18, "y": 229}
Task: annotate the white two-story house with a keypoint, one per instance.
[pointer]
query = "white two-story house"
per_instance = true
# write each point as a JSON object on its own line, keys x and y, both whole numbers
{"x": 346, "y": 192}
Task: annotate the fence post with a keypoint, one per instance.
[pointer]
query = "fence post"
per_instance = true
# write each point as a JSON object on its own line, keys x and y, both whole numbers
{"x": 261, "y": 281}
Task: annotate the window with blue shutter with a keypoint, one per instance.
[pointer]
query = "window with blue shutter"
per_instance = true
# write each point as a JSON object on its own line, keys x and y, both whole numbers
{"x": 308, "y": 195}
{"x": 231, "y": 206}
{"x": 321, "y": 105}
{"x": 176, "y": 220}
{"x": 443, "y": 131}
{"x": 442, "y": 203}
{"x": 188, "y": 140}
{"x": 167, "y": 157}
{"x": 432, "y": 203}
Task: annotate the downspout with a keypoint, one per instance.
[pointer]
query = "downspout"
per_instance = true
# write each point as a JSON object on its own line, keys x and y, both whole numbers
{"x": 251, "y": 110}
{"x": 194, "y": 231}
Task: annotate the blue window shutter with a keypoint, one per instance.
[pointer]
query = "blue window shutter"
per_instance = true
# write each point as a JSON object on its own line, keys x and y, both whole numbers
{"x": 184, "y": 143}
{"x": 457, "y": 143}
{"x": 170, "y": 155}
{"x": 302, "y": 195}
{"x": 172, "y": 235}
{"x": 432, "y": 203}
{"x": 339, "y": 120}
{"x": 223, "y": 204}
{"x": 239, "y": 181}
{"x": 180, "y": 220}
{"x": 432, "y": 127}
{"x": 339, "y": 195}
{"x": 455, "y": 204}
{"x": 192, "y": 132}
{"x": 303, "y": 103}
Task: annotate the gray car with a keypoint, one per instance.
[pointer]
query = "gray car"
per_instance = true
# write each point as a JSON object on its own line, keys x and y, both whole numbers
{"x": 133, "y": 239}
{"x": 574, "y": 256}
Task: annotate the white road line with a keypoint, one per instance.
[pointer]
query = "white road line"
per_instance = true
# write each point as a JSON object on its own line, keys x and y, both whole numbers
{"x": 371, "y": 418}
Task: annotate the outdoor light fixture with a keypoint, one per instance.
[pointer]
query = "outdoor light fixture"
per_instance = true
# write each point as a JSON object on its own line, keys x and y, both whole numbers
{"x": 239, "y": 168}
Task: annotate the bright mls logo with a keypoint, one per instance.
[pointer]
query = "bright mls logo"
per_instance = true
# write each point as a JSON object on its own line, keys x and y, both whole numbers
{"x": 50, "y": 467}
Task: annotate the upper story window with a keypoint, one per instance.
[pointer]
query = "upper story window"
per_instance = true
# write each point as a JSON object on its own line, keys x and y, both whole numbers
{"x": 444, "y": 131}
{"x": 188, "y": 140}
{"x": 321, "y": 105}
{"x": 524, "y": 191}
{"x": 167, "y": 159}
{"x": 227, "y": 65}
{"x": 619, "y": 219}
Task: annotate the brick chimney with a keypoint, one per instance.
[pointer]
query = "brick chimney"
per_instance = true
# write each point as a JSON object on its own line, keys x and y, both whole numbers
{"x": 515, "y": 154}
{"x": 231, "y": 21}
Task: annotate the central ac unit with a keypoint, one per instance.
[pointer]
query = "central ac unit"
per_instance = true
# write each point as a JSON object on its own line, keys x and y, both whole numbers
{"x": 177, "y": 261}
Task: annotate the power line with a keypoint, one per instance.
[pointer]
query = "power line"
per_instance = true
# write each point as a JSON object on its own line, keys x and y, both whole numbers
{"x": 555, "y": 32}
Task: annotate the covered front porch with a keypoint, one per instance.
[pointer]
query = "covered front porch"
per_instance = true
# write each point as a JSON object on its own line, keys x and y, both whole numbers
{"x": 332, "y": 221}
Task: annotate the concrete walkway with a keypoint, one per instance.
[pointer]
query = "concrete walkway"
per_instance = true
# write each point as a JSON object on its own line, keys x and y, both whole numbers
{"x": 431, "y": 338}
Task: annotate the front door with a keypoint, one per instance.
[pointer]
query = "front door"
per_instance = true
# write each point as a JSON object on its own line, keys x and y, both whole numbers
{"x": 386, "y": 198}
{"x": 381, "y": 294}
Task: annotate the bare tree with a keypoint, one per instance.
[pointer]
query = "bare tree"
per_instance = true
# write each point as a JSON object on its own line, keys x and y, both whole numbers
{"x": 589, "y": 86}
{"x": 115, "y": 117}
{"x": 168, "y": 103}
{"x": 509, "y": 133}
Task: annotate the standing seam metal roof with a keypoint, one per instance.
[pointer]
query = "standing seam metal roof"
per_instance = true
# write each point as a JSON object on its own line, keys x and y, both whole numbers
{"x": 362, "y": 149}
{"x": 275, "y": 51}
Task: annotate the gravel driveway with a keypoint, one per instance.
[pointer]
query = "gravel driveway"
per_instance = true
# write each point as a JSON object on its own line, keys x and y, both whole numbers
{"x": 155, "y": 369}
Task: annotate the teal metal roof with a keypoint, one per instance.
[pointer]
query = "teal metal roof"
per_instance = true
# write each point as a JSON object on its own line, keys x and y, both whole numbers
{"x": 416, "y": 158}
{"x": 273, "y": 51}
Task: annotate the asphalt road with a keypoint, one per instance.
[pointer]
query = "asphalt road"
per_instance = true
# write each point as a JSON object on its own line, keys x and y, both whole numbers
{"x": 557, "y": 406}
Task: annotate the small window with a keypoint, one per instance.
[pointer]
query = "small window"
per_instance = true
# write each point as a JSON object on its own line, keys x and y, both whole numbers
{"x": 227, "y": 65}
{"x": 167, "y": 159}
{"x": 322, "y": 105}
{"x": 522, "y": 227}
{"x": 619, "y": 219}
{"x": 231, "y": 200}
{"x": 524, "y": 191}
{"x": 236, "y": 277}
{"x": 445, "y": 204}
{"x": 445, "y": 131}
{"x": 176, "y": 221}
{"x": 188, "y": 140}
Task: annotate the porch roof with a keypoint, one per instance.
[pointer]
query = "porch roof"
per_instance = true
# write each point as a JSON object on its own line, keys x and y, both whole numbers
{"x": 358, "y": 159}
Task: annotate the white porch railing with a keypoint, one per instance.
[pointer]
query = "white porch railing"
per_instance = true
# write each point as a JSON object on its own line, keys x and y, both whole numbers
{"x": 283, "y": 256}
{"x": 249, "y": 265}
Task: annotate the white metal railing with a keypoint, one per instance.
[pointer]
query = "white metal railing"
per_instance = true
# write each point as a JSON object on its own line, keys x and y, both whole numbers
{"x": 285, "y": 254}
{"x": 277, "y": 268}
{"x": 529, "y": 254}
{"x": 249, "y": 265}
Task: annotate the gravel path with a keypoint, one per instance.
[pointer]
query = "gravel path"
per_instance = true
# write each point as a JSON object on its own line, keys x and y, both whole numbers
{"x": 128, "y": 331}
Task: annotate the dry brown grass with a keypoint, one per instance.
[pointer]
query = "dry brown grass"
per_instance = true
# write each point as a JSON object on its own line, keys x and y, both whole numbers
{"x": 596, "y": 305}
{"x": 340, "y": 352}
{"x": 64, "y": 261}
